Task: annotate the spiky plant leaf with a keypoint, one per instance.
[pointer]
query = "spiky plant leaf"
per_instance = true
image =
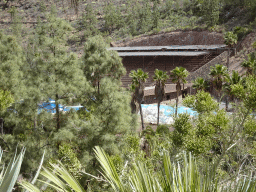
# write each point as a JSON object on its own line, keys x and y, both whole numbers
{"x": 12, "y": 172}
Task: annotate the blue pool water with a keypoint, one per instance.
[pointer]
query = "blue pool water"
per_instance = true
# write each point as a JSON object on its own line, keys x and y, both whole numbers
{"x": 166, "y": 113}
{"x": 169, "y": 111}
{"x": 51, "y": 107}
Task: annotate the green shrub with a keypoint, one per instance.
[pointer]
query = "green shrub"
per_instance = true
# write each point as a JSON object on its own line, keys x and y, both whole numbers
{"x": 241, "y": 32}
{"x": 162, "y": 129}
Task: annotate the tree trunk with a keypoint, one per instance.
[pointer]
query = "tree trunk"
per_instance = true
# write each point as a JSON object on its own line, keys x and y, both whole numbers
{"x": 228, "y": 59}
{"x": 133, "y": 106}
{"x": 177, "y": 101}
{"x": 57, "y": 111}
{"x": 35, "y": 123}
{"x": 158, "y": 110}
{"x": 2, "y": 125}
{"x": 98, "y": 87}
{"x": 227, "y": 101}
{"x": 141, "y": 116}
{"x": 218, "y": 97}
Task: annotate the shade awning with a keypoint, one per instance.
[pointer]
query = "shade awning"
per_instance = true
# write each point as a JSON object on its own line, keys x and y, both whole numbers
{"x": 167, "y": 48}
{"x": 166, "y": 53}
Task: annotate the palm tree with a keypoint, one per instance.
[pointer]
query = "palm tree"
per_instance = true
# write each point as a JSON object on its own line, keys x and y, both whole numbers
{"x": 133, "y": 100}
{"x": 235, "y": 78}
{"x": 250, "y": 64}
{"x": 230, "y": 41}
{"x": 138, "y": 80}
{"x": 178, "y": 76}
{"x": 218, "y": 73}
{"x": 200, "y": 84}
{"x": 160, "y": 78}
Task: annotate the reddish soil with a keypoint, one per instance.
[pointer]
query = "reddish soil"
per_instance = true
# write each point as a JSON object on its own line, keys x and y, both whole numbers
{"x": 175, "y": 38}
{"x": 246, "y": 48}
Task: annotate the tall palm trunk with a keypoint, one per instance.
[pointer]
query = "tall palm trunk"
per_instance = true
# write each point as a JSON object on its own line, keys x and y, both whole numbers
{"x": 141, "y": 116}
{"x": 218, "y": 100}
{"x": 178, "y": 89}
{"x": 158, "y": 111}
{"x": 133, "y": 105}
{"x": 177, "y": 101}
{"x": 227, "y": 102}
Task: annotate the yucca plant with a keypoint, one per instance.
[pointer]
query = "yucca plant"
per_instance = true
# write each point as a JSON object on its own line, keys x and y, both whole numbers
{"x": 244, "y": 184}
{"x": 58, "y": 178}
{"x": 9, "y": 176}
{"x": 181, "y": 176}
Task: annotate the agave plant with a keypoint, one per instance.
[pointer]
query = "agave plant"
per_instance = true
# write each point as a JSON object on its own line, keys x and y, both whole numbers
{"x": 9, "y": 176}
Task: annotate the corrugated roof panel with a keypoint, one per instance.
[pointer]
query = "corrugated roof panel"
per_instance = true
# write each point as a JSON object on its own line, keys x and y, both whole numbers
{"x": 171, "y": 47}
{"x": 160, "y": 53}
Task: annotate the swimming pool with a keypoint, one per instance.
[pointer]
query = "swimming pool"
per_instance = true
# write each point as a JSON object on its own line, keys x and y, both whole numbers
{"x": 51, "y": 107}
{"x": 166, "y": 113}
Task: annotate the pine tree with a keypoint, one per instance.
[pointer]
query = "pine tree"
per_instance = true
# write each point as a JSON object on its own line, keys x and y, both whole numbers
{"x": 109, "y": 120}
{"x": 145, "y": 22}
{"x": 210, "y": 9}
{"x": 156, "y": 15}
{"x": 98, "y": 62}
{"x": 113, "y": 18}
{"x": 132, "y": 17}
{"x": 11, "y": 63}
{"x": 55, "y": 73}
{"x": 50, "y": 72}
{"x": 89, "y": 21}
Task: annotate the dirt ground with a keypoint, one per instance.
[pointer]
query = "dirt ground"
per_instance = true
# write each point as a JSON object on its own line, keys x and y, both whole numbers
{"x": 175, "y": 38}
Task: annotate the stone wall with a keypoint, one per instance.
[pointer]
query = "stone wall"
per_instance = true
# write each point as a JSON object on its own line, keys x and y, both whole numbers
{"x": 205, "y": 69}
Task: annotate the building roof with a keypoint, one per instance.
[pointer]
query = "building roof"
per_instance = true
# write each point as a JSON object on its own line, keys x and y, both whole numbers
{"x": 167, "y": 48}
{"x": 161, "y": 53}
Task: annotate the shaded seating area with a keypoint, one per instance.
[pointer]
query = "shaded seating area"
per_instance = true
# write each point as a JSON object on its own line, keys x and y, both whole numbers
{"x": 165, "y": 58}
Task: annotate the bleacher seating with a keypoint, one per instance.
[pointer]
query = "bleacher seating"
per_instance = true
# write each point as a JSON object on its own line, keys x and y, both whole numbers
{"x": 149, "y": 64}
